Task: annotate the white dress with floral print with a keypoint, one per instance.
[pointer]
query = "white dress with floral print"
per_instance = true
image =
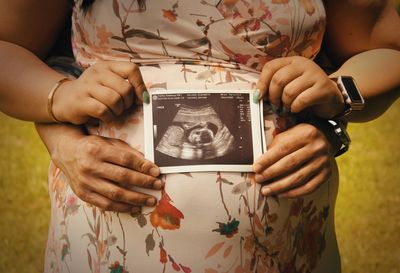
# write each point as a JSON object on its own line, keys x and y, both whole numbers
{"x": 211, "y": 222}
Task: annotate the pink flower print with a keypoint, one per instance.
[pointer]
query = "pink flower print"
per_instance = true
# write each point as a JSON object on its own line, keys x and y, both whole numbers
{"x": 71, "y": 204}
{"x": 72, "y": 200}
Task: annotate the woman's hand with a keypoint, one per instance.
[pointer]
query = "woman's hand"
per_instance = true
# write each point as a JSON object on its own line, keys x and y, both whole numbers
{"x": 101, "y": 169}
{"x": 299, "y": 84}
{"x": 296, "y": 163}
{"x": 102, "y": 92}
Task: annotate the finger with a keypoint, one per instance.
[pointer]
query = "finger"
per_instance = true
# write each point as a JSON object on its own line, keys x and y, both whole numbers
{"x": 294, "y": 89}
{"x": 296, "y": 178}
{"x": 107, "y": 204}
{"x": 267, "y": 72}
{"x": 98, "y": 110}
{"x": 107, "y": 96}
{"x": 131, "y": 72}
{"x": 119, "y": 85}
{"x": 282, "y": 145}
{"x": 280, "y": 79}
{"x": 121, "y": 195}
{"x": 123, "y": 155}
{"x": 312, "y": 185}
{"x": 126, "y": 176}
{"x": 286, "y": 164}
{"x": 310, "y": 97}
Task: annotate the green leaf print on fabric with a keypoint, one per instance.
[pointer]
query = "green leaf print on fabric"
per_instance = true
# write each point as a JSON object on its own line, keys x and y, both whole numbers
{"x": 194, "y": 43}
{"x": 229, "y": 229}
{"x": 150, "y": 243}
{"x": 140, "y": 33}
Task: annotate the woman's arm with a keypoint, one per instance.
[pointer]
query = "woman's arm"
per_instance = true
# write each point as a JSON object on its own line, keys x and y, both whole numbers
{"x": 102, "y": 92}
{"x": 99, "y": 169}
{"x": 364, "y": 36}
{"x": 360, "y": 34}
{"x": 28, "y": 30}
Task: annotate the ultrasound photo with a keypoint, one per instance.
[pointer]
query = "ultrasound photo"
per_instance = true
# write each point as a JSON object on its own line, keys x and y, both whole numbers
{"x": 201, "y": 129}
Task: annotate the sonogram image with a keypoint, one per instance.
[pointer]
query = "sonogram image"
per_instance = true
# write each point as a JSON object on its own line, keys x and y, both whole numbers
{"x": 196, "y": 133}
{"x": 201, "y": 128}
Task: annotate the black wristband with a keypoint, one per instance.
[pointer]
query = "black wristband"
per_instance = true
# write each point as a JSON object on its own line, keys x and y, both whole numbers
{"x": 334, "y": 132}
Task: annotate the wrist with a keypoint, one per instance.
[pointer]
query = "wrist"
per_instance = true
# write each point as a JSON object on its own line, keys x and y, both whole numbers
{"x": 351, "y": 96}
{"x": 66, "y": 139}
{"x": 334, "y": 133}
{"x": 58, "y": 99}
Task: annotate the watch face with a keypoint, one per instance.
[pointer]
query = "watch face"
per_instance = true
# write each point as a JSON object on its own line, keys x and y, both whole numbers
{"x": 352, "y": 90}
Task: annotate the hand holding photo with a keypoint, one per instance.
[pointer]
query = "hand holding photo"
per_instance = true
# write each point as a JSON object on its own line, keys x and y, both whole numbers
{"x": 203, "y": 130}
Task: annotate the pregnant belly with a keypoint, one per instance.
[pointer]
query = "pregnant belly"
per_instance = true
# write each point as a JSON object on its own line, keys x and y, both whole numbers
{"x": 222, "y": 217}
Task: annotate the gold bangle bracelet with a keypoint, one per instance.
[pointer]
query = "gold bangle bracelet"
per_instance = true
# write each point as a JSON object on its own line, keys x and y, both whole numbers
{"x": 51, "y": 96}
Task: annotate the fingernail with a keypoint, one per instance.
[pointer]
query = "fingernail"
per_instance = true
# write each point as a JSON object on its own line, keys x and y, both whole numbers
{"x": 257, "y": 168}
{"x": 284, "y": 110}
{"x": 259, "y": 178}
{"x": 146, "y": 97}
{"x": 158, "y": 184}
{"x": 266, "y": 191}
{"x": 151, "y": 202}
{"x": 256, "y": 96}
{"x": 154, "y": 171}
{"x": 136, "y": 209}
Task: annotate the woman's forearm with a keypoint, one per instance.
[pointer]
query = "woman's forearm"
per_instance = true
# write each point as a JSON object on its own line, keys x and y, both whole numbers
{"x": 376, "y": 73}
{"x": 25, "y": 83}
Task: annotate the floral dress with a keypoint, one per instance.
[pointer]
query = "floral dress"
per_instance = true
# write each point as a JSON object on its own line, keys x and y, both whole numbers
{"x": 209, "y": 222}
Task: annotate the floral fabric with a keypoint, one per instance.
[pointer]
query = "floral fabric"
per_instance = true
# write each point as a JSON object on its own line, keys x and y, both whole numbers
{"x": 211, "y": 222}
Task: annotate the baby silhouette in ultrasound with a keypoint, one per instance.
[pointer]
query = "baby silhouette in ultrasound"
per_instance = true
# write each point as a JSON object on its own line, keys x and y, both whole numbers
{"x": 201, "y": 134}
{"x": 196, "y": 133}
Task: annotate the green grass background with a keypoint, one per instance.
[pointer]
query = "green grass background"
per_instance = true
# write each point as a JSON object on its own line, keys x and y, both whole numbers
{"x": 367, "y": 211}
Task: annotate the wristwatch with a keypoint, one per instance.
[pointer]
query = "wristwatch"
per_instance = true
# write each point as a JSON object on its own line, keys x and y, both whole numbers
{"x": 341, "y": 133}
{"x": 351, "y": 95}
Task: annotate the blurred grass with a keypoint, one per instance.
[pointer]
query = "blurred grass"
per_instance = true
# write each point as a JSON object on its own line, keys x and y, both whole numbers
{"x": 367, "y": 211}
{"x": 368, "y": 205}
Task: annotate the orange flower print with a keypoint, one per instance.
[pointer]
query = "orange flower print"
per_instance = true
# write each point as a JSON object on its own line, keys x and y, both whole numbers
{"x": 166, "y": 215}
{"x": 230, "y": 2}
{"x": 169, "y": 14}
{"x": 103, "y": 35}
{"x": 280, "y": 1}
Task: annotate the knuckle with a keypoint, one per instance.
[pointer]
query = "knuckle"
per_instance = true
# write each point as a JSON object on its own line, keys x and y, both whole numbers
{"x": 115, "y": 99}
{"x": 142, "y": 166}
{"x": 288, "y": 93}
{"x": 292, "y": 163}
{"x": 121, "y": 175}
{"x": 312, "y": 132}
{"x": 283, "y": 148}
{"x": 91, "y": 148}
{"x": 302, "y": 100}
{"x": 300, "y": 177}
{"x": 102, "y": 111}
{"x": 107, "y": 205}
{"x": 126, "y": 159}
{"x": 85, "y": 165}
{"x": 278, "y": 80}
{"x": 116, "y": 194}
